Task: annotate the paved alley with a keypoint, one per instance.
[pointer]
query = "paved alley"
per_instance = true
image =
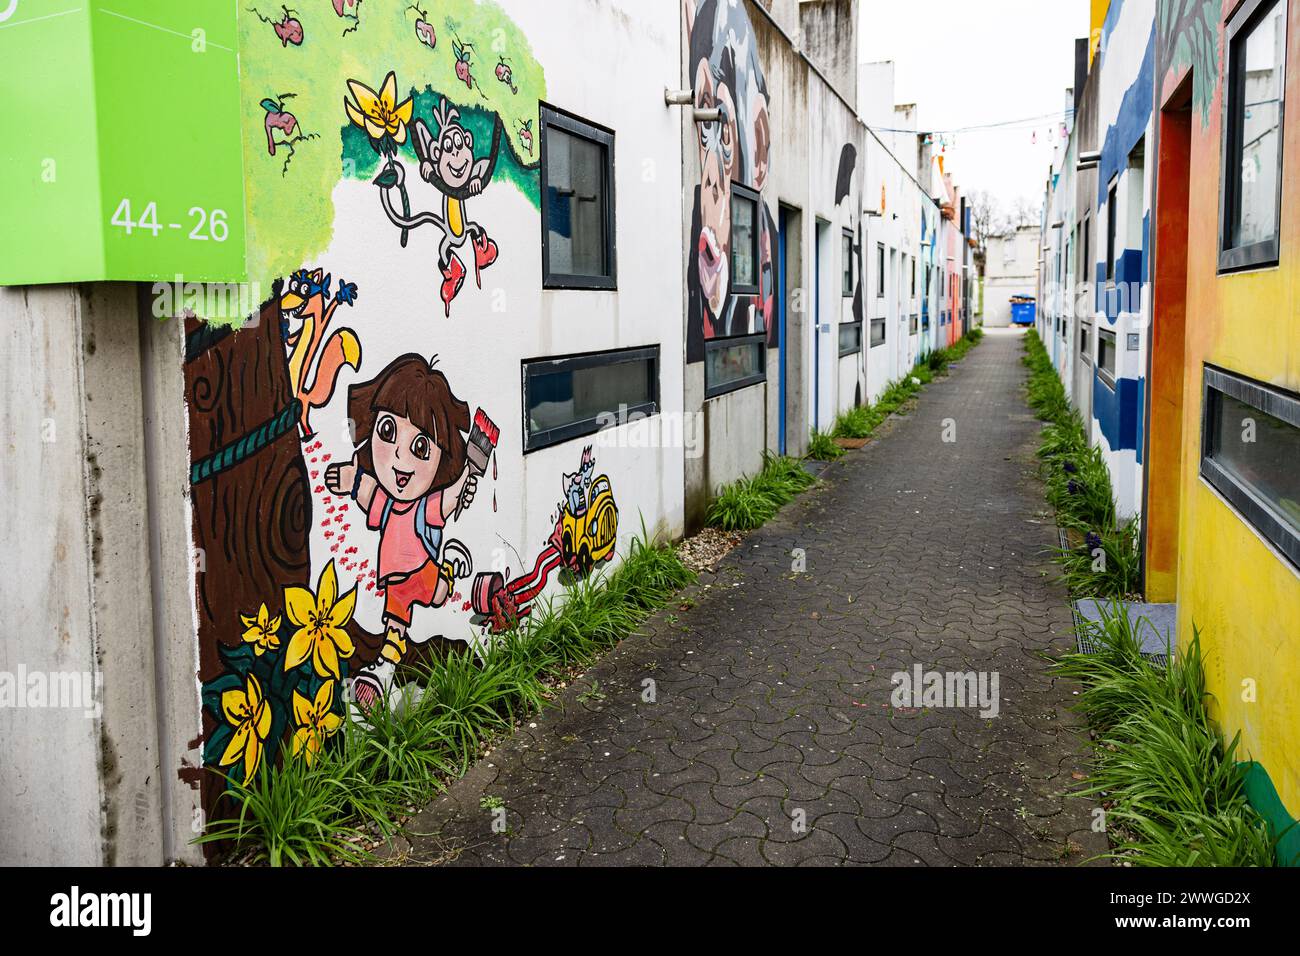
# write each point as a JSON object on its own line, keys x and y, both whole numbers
{"x": 771, "y": 737}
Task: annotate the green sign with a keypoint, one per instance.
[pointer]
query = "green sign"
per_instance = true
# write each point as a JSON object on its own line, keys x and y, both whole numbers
{"x": 121, "y": 157}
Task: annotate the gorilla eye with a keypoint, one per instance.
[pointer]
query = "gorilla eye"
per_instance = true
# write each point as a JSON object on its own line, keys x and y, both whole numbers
{"x": 386, "y": 429}
{"x": 421, "y": 448}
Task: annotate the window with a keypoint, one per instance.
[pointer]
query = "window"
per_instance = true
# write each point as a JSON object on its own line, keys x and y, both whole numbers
{"x": 913, "y": 324}
{"x": 734, "y": 363}
{"x": 744, "y": 240}
{"x": 846, "y": 263}
{"x": 1085, "y": 253}
{"x": 577, "y": 178}
{"x": 1085, "y": 341}
{"x": 1250, "y": 443}
{"x": 880, "y": 269}
{"x": 850, "y": 337}
{"x": 1136, "y": 202}
{"x": 1112, "y": 220}
{"x": 1106, "y": 355}
{"x": 877, "y": 332}
{"x": 569, "y": 397}
{"x": 1252, "y": 144}
{"x": 913, "y": 278}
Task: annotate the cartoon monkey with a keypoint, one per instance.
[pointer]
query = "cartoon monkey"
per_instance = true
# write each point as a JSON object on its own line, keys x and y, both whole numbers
{"x": 448, "y": 163}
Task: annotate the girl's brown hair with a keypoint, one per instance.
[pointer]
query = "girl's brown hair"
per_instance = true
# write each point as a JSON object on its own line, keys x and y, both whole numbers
{"x": 412, "y": 388}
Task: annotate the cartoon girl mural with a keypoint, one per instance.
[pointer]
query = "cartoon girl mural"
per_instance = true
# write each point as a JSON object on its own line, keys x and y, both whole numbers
{"x": 726, "y": 75}
{"x": 409, "y": 474}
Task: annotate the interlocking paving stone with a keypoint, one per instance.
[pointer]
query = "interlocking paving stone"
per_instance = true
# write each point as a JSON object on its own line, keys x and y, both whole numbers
{"x": 772, "y": 739}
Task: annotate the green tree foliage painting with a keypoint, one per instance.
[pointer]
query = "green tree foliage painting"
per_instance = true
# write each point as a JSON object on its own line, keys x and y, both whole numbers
{"x": 298, "y": 139}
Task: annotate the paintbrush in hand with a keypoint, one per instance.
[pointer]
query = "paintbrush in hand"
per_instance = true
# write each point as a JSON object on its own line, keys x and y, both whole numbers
{"x": 478, "y": 449}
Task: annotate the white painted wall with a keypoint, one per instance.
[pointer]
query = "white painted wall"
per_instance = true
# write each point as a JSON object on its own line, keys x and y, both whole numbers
{"x": 1011, "y": 268}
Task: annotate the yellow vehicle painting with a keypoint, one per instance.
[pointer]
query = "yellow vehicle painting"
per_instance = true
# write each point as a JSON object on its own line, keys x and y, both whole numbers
{"x": 590, "y": 536}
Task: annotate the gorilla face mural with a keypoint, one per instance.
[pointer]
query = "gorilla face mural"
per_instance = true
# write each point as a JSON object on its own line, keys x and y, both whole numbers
{"x": 726, "y": 75}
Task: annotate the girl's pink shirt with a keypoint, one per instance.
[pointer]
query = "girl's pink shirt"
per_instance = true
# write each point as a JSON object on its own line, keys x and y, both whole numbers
{"x": 401, "y": 551}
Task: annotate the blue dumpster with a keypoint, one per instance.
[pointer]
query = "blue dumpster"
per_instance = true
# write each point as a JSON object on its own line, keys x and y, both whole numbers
{"x": 1022, "y": 310}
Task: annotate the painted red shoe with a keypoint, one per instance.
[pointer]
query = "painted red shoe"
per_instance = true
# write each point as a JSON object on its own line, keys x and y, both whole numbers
{"x": 453, "y": 277}
{"x": 485, "y": 253}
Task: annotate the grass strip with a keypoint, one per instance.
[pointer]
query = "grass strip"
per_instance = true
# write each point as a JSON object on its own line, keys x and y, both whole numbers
{"x": 860, "y": 421}
{"x": 747, "y": 503}
{"x": 1103, "y": 559}
{"x": 370, "y": 775}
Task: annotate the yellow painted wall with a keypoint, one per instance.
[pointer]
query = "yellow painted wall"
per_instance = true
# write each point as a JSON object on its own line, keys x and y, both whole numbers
{"x": 1097, "y": 17}
{"x": 1239, "y": 591}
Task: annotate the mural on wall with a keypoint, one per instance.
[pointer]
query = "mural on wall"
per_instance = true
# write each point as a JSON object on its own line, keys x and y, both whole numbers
{"x": 725, "y": 73}
{"x": 1189, "y": 38}
{"x": 411, "y": 477}
{"x": 344, "y": 484}
{"x": 448, "y": 163}
{"x": 306, "y": 309}
{"x": 585, "y": 532}
{"x": 844, "y": 190}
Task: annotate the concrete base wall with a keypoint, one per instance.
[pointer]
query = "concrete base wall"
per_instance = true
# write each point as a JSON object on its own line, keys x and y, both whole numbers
{"x": 80, "y": 674}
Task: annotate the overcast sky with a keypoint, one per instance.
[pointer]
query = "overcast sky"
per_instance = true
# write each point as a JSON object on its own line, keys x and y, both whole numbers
{"x": 967, "y": 63}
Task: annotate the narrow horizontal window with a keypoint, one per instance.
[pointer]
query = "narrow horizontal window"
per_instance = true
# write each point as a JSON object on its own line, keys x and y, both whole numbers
{"x": 567, "y": 398}
{"x": 850, "y": 337}
{"x": 1106, "y": 355}
{"x": 577, "y": 178}
{"x": 877, "y": 332}
{"x": 730, "y": 364}
{"x": 744, "y": 240}
{"x": 1250, "y": 447}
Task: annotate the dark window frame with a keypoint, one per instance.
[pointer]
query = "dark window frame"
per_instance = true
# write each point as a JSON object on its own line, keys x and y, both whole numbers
{"x": 534, "y": 441}
{"x": 844, "y": 327}
{"x": 745, "y": 194}
{"x": 1266, "y": 252}
{"x": 1255, "y": 511}
{"x": 548, "y": 116}
{"x": 1112, "y": 229}
{"x": 1085, "y": 342}
{"x": 880, "y": 270}
{"x": 1107, "y": 376}
{"x": 758, "y": 378}
{"x": 1087, "y": 268}
{"x": 846, "y": 291}
{"x": 884, "y": 333}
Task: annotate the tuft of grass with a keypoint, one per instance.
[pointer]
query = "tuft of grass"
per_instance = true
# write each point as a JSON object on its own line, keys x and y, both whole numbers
{"x": 822, "y": 447}
{"x": 435, "y": 725}
{"x": 304, "y": 814}
{"x": 747, "y": 503}
{"x": 1174, "y": 791}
